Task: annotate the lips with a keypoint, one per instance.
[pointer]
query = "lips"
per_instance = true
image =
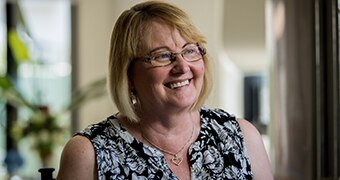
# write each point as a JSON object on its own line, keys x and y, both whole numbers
{"x": 178, "y": 84}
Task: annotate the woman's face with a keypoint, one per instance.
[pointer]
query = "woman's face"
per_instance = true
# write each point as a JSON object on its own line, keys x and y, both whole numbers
{"x": 169, "y": 88}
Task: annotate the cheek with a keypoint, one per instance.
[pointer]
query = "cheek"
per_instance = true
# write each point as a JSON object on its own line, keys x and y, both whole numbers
{"x": 136, "y": 77}
{"x": 143, "y": 78}
{"x": 139, "y": 81}
{"x": 200, "y": 70}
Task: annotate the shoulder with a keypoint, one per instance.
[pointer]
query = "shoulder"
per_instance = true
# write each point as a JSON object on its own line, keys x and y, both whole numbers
{"x": 216, "y": 114}
{"x": 98, "y": 129}
{"x": 219, "y": 119}
{"x": 78, "y": 160}
{"x": 249, "y": 130}
{"x": 258, "y": 157}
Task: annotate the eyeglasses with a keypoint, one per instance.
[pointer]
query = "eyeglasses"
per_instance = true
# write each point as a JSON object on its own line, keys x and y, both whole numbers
{"x": 191, "y": 53}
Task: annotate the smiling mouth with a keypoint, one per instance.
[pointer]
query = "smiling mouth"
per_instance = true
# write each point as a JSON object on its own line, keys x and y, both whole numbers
{"x": 178, "y": 84}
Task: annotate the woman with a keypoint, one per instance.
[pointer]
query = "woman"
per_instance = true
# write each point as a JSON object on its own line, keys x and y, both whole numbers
{"x": 159, "y": 78}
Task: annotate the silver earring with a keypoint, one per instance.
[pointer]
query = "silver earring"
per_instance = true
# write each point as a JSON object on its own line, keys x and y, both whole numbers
{"x": 133, "y": 98}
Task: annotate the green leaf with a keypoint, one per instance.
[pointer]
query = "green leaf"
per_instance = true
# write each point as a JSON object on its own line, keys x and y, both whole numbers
{"x": 5, "y": 84}
{"x": 12, "y": 95}
{"x": 17, "y": 47}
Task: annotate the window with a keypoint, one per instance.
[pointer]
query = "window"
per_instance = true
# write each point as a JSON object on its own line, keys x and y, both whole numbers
{"x": 44, "y": 80}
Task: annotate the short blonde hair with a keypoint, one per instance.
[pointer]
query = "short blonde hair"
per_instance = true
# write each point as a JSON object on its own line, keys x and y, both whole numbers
{"x": 126, "y": 42}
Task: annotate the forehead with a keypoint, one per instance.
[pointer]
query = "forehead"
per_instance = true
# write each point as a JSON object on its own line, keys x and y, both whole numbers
{"x": 160, "y": 34}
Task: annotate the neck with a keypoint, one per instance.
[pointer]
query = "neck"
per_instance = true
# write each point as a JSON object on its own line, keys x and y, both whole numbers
{"x": 168, "y": 132}
{"x": 174, "y": 144}
{"x": 168, "y": 122}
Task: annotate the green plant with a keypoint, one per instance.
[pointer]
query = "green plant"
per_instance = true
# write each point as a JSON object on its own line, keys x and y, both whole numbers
{"x": 41, "y": 126}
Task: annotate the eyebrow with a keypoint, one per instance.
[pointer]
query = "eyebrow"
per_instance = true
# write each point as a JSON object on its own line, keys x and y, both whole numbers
{"x": 166, "y": 47}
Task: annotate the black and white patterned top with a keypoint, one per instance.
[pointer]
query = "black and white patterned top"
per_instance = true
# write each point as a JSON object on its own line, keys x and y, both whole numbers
{"x": 218, "y": 152}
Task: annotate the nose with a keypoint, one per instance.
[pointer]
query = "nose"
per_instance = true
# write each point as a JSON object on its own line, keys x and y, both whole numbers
{"x": 180, "y": 65}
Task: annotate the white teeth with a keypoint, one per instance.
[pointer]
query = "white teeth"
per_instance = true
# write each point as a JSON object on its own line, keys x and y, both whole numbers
{"x": 179, "y": 84}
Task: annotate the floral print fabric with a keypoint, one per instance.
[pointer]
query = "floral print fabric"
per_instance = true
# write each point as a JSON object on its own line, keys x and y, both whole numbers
{"x": 218, "y": 152}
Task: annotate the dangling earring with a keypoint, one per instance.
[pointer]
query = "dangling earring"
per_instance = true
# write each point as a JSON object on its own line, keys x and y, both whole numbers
{"x": 133, "y": 98}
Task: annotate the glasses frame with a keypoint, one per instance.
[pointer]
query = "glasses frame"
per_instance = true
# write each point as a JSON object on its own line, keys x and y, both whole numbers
{"x": 148, "y": 59}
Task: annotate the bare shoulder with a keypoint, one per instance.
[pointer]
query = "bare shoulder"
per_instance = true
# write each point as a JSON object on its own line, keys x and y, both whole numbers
{"x": 258, "y": 156}
{"x": 78, "y": 160}
{"x": 249, "y": 130}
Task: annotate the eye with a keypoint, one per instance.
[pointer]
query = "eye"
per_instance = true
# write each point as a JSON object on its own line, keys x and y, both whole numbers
{"x": 190, "y": 51}
{"x": 165, "y": 56}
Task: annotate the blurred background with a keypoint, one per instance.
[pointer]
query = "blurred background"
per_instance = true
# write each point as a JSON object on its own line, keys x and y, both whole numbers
{"x": 276, "y": 63}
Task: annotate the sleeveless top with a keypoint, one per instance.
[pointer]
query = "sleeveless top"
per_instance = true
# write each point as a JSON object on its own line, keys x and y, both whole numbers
{"x": 218, "y": 152}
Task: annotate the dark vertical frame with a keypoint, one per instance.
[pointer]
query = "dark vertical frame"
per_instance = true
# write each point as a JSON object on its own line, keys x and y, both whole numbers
{"x": 11, "y": 112}
{"x": 11, "y": 19}
{"x": 328, "y": 89}
{"x": 74, "y": 61}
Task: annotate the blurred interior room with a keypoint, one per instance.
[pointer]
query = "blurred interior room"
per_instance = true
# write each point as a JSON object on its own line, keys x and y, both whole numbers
{"x": 276, "y": 64}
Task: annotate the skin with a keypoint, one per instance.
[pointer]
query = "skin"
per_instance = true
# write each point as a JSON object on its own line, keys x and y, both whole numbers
{"x": 152, "y": 84}
{"x": 166, "y": 116}
{"x": 78, "y": 160}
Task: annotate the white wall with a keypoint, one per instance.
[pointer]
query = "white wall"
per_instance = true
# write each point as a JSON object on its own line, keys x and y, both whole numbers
{"x": 96, "y": 19}
{"x": 95, "y": 22}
